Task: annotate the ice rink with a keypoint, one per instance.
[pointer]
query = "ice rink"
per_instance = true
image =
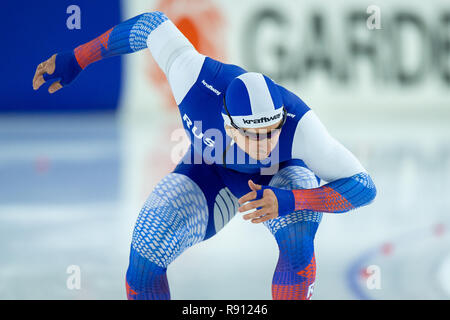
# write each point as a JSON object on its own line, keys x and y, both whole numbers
{"x": 71, "y": 187}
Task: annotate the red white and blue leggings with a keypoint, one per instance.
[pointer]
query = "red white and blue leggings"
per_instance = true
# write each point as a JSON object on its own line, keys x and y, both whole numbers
{"x": 194, "y": 202}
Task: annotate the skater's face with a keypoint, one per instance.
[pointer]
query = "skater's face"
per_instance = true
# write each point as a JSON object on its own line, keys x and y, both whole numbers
{"x": 257, "y": 142}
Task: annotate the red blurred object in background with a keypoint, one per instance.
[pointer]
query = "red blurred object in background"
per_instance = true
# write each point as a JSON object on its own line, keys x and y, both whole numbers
{"x": 203, "y": 23}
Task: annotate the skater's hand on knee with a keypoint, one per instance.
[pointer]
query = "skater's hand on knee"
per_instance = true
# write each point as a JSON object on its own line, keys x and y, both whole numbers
{"x": 264, "y": 200}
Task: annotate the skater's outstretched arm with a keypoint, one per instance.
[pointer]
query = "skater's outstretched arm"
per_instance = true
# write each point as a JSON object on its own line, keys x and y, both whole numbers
{"x": 153, "y": 30}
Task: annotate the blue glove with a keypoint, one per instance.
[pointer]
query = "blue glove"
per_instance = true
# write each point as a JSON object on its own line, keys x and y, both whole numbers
{"x": 66, "y": 68}
{"x": 285, "y": 198}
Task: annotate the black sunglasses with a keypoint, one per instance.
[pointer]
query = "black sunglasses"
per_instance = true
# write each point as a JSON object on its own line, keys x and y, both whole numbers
{"x": 255, "y": 135}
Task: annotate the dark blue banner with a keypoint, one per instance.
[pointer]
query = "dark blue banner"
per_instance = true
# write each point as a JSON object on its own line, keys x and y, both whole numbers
{"x": 33, "y": 31}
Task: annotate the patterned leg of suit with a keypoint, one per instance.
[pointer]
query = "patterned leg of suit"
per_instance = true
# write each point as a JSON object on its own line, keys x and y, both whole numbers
{"x": 173, "y": 218}
{"x": 296, "y": 269}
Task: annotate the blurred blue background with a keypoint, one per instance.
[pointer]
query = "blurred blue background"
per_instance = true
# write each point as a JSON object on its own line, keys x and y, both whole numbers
{"x": 32, "y": 32}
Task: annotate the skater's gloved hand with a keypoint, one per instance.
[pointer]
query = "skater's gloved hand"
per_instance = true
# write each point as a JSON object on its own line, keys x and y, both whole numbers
{"x": 270, "y": 202}
{"x": 62, "y": 67}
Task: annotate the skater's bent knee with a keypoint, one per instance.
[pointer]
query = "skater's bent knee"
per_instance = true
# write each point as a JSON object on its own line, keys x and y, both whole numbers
{"x": 173, "y": 218}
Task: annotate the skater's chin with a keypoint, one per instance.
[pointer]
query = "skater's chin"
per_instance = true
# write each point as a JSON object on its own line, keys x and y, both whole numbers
{"x": 259, "y": 155}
